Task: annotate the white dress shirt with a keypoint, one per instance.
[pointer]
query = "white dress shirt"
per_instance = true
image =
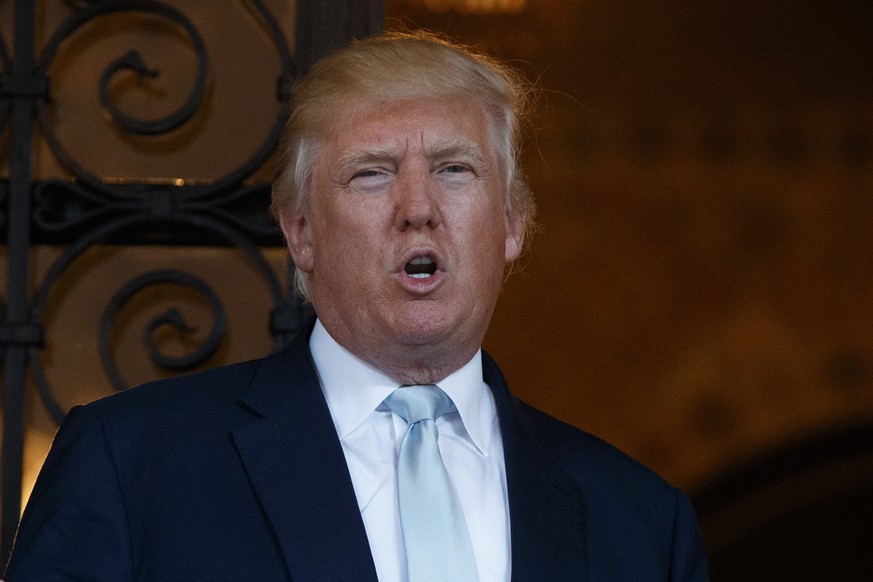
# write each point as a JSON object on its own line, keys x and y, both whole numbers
{"x": 370, "y": 433}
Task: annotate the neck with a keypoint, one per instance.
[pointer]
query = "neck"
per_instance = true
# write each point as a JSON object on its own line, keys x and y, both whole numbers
{"x": 406, "y": 364}
{"x": 418, "y": 364}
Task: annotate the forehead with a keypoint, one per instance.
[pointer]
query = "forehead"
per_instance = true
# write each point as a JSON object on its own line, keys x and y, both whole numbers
{"x": 426, "y": 125}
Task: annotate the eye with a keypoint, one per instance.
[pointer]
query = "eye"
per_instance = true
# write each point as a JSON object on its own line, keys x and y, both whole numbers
{"x": 370, "y": 180}
{"x": 456, "y": 175}
{"x": 456, "y": 169}
{"x": 367, "y": 174}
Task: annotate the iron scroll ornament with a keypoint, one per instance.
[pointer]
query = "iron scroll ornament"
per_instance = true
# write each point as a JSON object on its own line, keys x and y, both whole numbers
{"x": 284, "y": 311}
{"x": 88, "y": 210}
{"x": 83, "y": 208}
{"x": 172, "y": 317}
{"x": 133, "y": 61}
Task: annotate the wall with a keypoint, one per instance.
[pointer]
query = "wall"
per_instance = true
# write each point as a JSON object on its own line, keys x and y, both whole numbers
{"x": 700, "y": 290}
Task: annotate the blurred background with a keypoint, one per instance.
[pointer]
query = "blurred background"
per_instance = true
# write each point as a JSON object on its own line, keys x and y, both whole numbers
{"x": 701, "y": 290}
{"x": 699, "y": 293}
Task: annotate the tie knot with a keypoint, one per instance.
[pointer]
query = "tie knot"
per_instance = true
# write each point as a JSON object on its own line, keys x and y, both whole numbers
{"x": 415, "y": 403}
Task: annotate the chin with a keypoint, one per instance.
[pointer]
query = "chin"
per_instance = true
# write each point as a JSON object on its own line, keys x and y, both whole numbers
{"x": 433, "y": 327}
{"x": 423, "y": 326}
{"x": 422, "y": 334}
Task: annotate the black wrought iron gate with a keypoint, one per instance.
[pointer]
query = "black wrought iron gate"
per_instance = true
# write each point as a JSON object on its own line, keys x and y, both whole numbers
{"x": 83, "y": 208}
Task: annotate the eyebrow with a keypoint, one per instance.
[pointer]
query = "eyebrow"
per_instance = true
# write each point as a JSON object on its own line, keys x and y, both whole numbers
{"x": 440, "y": 151}
{"x": 352, "y": 161}
{"x": 455, "y": 148}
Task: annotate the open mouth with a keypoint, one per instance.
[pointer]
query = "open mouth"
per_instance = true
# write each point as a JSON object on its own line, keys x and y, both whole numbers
{"x": 420, "y": 267}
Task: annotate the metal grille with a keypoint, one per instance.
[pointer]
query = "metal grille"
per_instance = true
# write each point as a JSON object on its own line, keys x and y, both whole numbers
{"x": 84, "y": 208}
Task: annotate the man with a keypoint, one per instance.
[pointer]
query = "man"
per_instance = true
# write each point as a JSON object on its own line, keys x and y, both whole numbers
{"x": 401, "y": 203}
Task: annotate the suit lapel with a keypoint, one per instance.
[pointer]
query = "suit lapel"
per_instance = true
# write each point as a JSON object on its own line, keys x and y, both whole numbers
{"x": 545, "y": 507}
{"x": 295, "y": 463}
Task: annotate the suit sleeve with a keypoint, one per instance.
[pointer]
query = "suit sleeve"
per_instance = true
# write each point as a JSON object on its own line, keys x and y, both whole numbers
{"x": 75, "y": 525}
{"x": 688, "y": 561}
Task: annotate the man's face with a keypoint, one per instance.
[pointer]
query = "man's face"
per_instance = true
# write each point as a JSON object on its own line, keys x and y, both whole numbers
{"x": 407, "y": 236}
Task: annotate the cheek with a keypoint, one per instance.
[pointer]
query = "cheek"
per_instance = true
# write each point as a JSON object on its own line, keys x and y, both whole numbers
{"x": 486, "y": 247}
{"x": 343, "y": 245}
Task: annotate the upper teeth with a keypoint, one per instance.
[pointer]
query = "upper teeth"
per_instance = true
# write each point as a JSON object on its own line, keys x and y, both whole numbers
{"x": 420, "y": 268}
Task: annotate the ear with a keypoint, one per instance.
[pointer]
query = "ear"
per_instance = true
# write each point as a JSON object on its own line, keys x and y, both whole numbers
{"x": 298, "y": 237}
{"x": 515, "y": 223}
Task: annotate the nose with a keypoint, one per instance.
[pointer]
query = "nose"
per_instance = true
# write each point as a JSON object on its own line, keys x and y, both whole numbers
{"x": 415, "y": 204}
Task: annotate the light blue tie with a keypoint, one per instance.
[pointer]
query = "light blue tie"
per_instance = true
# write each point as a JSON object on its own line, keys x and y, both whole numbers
{"x": 438, "y": 547}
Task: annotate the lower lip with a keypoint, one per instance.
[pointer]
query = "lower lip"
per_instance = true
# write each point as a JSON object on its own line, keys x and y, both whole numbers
{"x": 420, "y": 286}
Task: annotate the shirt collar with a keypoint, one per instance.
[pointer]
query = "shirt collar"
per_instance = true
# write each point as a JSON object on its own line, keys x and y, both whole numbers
{"x": 354, "y": 389}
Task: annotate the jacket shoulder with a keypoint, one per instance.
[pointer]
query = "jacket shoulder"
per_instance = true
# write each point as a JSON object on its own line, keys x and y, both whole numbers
{"x": 588, "y": 459}
{"x": 219, "y": 386}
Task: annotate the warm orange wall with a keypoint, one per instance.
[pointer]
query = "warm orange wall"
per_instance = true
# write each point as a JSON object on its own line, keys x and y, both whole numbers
{"x": 701, "y": 288}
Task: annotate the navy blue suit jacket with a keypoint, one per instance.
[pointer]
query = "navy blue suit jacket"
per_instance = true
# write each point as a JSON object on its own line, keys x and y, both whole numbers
{"x": 237, "y": 474}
